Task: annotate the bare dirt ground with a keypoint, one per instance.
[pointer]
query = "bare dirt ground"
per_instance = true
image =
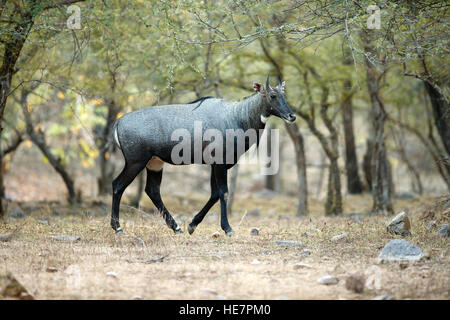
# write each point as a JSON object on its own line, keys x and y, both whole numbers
{"x": 102, "y": 265}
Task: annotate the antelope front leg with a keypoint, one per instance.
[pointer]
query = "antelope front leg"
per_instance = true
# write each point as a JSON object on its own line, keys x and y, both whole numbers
{"x": 152, "y": 189}
{"x": 212, "y": 200}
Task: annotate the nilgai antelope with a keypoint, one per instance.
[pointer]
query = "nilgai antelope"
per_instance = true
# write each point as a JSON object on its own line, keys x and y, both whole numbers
{"x": 146, "y": 139}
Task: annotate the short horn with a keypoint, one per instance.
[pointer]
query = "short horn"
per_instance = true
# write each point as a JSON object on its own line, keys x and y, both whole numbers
{"x": 267, "y": 82}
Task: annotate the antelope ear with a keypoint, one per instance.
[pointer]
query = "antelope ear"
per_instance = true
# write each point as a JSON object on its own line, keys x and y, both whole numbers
{"x": 258, "y": 87}
{"x": 282, "y": 86}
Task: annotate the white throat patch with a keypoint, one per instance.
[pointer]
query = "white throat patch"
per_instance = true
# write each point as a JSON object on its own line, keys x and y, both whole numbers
{"x": 264, "y": 119}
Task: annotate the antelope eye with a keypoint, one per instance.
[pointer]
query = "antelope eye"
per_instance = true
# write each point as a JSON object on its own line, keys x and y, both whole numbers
{"x": 272, "y": 96}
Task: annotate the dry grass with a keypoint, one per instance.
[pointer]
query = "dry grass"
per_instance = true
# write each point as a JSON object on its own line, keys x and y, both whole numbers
{"x": 203, "y": 267}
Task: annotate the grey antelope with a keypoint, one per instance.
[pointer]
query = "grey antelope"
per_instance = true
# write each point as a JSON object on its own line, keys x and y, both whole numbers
{"x": 145, "y": 137}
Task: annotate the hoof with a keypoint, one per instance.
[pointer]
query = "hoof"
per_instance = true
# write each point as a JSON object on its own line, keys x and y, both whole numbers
{"x": 191, "y": 229}
{"x": 229, "y": 233}
{"x": 120, "y": 231}
{"x": 178, "y": 230}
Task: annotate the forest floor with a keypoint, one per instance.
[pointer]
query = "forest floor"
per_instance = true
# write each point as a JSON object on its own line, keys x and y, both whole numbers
{"x": 207, "y": 265}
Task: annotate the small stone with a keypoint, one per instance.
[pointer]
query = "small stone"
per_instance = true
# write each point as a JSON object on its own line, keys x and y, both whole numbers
{"x": 301, "y": 266}
{"x": 355, "y": 283}
{"x": 341, "y": 236}
{"x": 256, "y": 261}
{"x": 400, "y": 225}
{"x": 403, "y": 265}
{"x": 5, "y": 237}
{"x": 288, "y": 243}
{"x": 216, "y": 234}
{"x": 112, "y": 274}
{"x": 210, "y": 291}
{"x": 306, "y": 252}
{"x": 51, "y": 269}
{"x": 444, "y": 231}
{"x": 254, "y": 231}
{"x": 67, "y": 238}
{"x": 400, "y": 250}
{"x": 383, "y": 297}
{"x": 136, "y": 298}
{"x": 328, "y": 280}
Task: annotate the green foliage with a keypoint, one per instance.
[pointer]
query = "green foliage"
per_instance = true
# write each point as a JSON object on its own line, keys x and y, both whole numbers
{"x": 140, "y": 53}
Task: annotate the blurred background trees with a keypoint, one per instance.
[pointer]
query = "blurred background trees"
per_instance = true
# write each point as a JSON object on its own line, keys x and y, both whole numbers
{"x": 372, "y": 96}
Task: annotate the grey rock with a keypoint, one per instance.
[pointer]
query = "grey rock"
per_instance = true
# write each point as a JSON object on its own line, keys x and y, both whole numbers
{"x": 16, "y": 213}
{"x": 400, "y": 250}
{"x": 341, "y": 236}
{"x": 400, "y": 225}
{"x": 6, "y": 237}
{"x": 306, "y": 252}
{"x": 254, "y": 231}
{"x": 444, "y": 231}
{"x": 67, "y": 238}
{"x": 328, "y": 280}
{"x": 288, "y": 243}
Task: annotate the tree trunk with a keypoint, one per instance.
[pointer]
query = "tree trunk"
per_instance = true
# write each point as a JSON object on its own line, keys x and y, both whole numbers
{"x": 106, "y": 147}
{"x": 441, "y": 114}
{"x": 416, "y": 182}
{"x": 298, "y": 141}
{"x": 354, "y": 185}
{"x": 367, "y": 168}
{"x": 380, "y": 168}
{"x": 322, "y": 166}
{"x": 38, "y": 138}
{"x": 12, "y": 48}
